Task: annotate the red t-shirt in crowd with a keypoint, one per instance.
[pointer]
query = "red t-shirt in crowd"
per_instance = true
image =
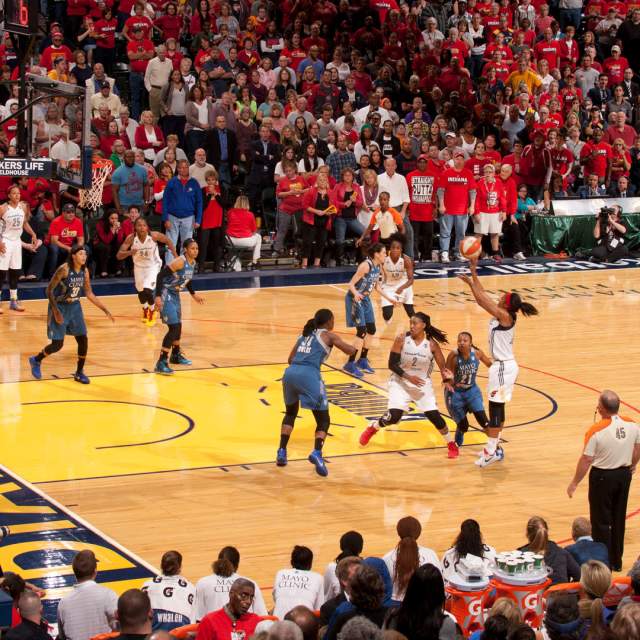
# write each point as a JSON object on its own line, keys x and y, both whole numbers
{"x": 615, "y": 69}
{"x": 477, "y": 165}
{"x": 67, "y": 232}
{"x": 138, "y": 46}
{"x": 422, "y": 191}
{"x": 241, "y": 223}
{"x": 549, "y": 51}
{"x": 139, "y": 22}
{"x": 511, "y": 194}
{"x": 490, "y": 196}
{"x": 52, "y": 52}
{"x": 106, "y": 28}
{"x": 291, "y": 204}
{"x": 212, "y": 214}
{"x": 456, "y": 185}
{"x": 217, "y": 625}
{"x": 171, "y": 26}
{"x": 602, "y": 155}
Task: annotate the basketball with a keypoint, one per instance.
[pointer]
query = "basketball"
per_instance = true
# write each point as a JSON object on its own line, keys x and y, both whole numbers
{"x": 470, "y": 247}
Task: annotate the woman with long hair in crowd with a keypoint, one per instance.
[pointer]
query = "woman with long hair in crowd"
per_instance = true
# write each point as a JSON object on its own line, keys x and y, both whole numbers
{"x": 468, "y": 542}
{"x": 317, "y": 212}
{"x": 421, "y": 615}
{"x": 565, "y": 568}
{"x": 310, "y": 161}
{"x": 595, "y": 580}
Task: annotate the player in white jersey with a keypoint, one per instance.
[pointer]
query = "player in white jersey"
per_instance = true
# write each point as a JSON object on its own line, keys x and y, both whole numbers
{"x": 411, "y": 361}
{"x": 503, "y": 372}
{"x": 397, "y": 279}
{"x": 142, "y": 246}
{"x": 14, "y": 218}
{"x": 172, "y": 596}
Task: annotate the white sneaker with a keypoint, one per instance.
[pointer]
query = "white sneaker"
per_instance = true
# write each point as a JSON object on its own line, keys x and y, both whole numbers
{"x": 444, "y": 257}
{"x": 486, "y": 459}
{"x": 519, "y": 256}
{"x": 461, "y": 258}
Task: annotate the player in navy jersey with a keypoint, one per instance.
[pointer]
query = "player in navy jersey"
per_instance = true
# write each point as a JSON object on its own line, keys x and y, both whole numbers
{"x": 359, "y": 307}
{"x": 503, "y": 371}
{"x": 64, "y": 315}
{"x": 462, "y": 395}
{"x": 302, "y": 383}
{"x": 173, "y": 279}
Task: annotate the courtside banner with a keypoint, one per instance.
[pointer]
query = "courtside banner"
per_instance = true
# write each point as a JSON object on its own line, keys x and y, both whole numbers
{"x": 36, "y": 168}
{"x": 44, "y": 538}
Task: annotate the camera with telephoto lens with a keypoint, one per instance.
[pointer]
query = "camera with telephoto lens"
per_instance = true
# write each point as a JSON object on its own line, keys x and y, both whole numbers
{"x": 4, "y": 531}
{"x": 605, "y": 212}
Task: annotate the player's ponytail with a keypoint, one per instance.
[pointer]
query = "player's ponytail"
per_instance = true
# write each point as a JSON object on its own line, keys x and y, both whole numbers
{"x": 321, "y": 317}
{"x": 227, "y": 563}
{"x": 433, "y": 333}
{"x": 537, "y": 534}
{"x": 514, "y": 303}
{"x": 407, "y": 552}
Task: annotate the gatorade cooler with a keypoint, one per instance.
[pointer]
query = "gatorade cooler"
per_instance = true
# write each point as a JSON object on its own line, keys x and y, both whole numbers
{"x": 467, "y": 607}
{"x": 528, "y": 597}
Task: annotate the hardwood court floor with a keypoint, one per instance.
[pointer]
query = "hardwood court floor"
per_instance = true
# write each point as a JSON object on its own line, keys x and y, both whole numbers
{"x": 187, "y": 462}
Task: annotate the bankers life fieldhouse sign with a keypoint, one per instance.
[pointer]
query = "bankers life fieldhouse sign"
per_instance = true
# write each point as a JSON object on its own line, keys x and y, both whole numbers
{"x": 36, "y": 168}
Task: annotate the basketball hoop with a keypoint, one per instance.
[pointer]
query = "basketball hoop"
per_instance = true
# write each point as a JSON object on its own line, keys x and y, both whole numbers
{"x": 92, "y": 198}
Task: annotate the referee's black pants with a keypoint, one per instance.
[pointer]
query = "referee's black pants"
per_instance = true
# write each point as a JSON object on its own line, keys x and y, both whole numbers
{"x": 608, "y": 494}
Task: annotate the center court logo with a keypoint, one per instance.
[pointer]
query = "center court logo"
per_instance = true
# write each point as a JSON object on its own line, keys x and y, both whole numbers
{"x": 45, "y": 536}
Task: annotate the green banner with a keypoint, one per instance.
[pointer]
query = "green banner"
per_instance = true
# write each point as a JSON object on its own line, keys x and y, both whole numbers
{"x": 574, "y": 234}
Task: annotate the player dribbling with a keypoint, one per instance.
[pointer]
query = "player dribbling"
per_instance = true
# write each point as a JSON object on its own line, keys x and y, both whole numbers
{"x": 462, "y": 395}
{"x": 411, "y": 361}
{"x": 397, "y": 284}
{"x": 503, "y": 372}
{"x": 142, "y": 246}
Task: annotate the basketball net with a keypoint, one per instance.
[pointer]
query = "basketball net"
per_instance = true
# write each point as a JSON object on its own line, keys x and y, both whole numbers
{"x": 92, "y": 198}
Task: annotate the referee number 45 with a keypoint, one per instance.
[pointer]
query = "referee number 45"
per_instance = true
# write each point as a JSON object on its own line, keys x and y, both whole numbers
{"x": 620, "y": 433}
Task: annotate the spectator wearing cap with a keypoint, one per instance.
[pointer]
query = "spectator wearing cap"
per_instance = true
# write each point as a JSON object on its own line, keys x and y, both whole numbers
{"x": 615, "y": 65}
{"x": 65, "y": 231}
{"x": 584, "y": 548}
{"x": 94, "y": 83}
{"x": 90, "y": 609}
{"x": 32, "y": 626}
{"x": 139, "y": 51}
{"x": 105, "y": 97}
{"x": 451, "y": 146}
{"x": 55, "y": 50}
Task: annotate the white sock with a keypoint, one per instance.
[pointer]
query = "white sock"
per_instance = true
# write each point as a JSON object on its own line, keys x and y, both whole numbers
{"x": 152, "y": 306}
{"x": 13, "y": 294}
{"x": 447, "y": 436}
{"x": 492, "y": 445}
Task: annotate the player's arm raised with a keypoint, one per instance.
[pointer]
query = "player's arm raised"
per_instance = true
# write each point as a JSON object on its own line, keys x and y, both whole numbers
{"x": 125, "y": 248}
{"x": 93, "y": 298}
{"x": 481, "y": 296}
{"x": 61, "y": 272}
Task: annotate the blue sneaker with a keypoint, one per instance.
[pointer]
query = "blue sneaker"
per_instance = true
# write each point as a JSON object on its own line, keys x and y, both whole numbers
{"x": 163, "y": 367}
{"x": 80, "y": 377}
{"x": 364, "y": 365}
{"x": 281, "y": 458}
{"x": 352, "y": 369}
{"x": 500, "y": 452}
{"x": 459, "y": 437}
{"x": 315, "y": 458}
{"x": 179, "y": 359}
{"x": 35, "y": 368}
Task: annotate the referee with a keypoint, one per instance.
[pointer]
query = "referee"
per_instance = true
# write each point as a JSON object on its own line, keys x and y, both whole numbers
{"x": 612, "y": 450}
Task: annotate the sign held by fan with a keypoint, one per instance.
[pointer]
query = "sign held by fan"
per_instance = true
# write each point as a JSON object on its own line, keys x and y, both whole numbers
{"x": 36, "y": 167}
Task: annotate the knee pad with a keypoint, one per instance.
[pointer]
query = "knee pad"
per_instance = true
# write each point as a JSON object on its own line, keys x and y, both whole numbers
{"x": 322, "y": 420}
{"x": 496, "y": 414}
{"x": 172, "y": 335}
{"x": 392, "y": 416}
{"x": 371, "y": 328}
{"x": 142, "y": 296}
{"x": 149, "y": 295}
{"x": 83, "y": 345}
{"x": 436, "y": 419}
{"x": 14, "y": 275}
{"x": 463, "y": 425}
{"x": 361, "y": 332}
{"x": 387, "y": 313}
{"x": 290, "y": 414}
{"x": 410, "y": 311}
{"x": 55, "y": 345}
{"x": 482, "y": 419}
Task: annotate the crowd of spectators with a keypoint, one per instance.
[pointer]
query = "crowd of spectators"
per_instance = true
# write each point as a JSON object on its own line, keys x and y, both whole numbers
{"x": 398, "y": 596}
{"x": 471, "y": 115}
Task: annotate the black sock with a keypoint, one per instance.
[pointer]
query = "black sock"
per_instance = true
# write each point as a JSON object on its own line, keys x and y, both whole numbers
{"x": 164, "y": 356}
{"x": 317, "y": 444}
{"x": 364, "y": 353}
{"x": 175, "y": 350}
{"x": 80, "y": 365}
{"x": 352, "y": 358}
{"x": 41, "y": 356}
{"x": 284, "y": 440}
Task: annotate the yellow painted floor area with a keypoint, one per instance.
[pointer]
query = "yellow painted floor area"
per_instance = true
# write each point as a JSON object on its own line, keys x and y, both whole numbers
{"x": 142, "y": 423}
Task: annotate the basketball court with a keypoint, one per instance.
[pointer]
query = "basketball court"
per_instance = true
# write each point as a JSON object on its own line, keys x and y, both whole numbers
{"x": 149, "y": 463}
